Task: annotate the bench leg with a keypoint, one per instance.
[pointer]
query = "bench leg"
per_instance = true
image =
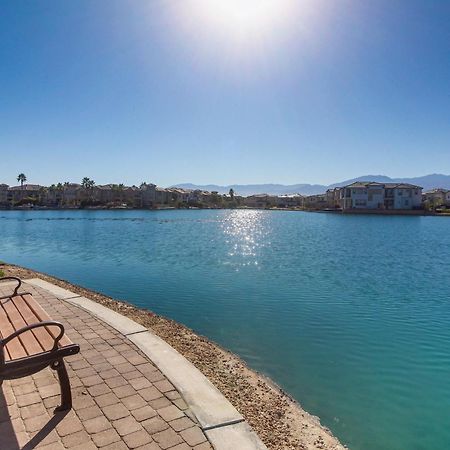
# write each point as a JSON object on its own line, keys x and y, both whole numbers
{"x": 64, "y": 383}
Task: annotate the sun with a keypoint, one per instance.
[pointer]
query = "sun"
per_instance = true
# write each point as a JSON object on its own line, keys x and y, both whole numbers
{"x": 242, "y": 15}
{"x": 237, "y": 35}
{"x": 236, "y": 20}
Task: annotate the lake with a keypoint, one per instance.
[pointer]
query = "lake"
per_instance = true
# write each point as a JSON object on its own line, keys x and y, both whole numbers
{"x": 348, "y": 313}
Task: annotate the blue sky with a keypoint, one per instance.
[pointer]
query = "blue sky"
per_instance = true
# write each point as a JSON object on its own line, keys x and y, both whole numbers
{"x": 168, "y": 92}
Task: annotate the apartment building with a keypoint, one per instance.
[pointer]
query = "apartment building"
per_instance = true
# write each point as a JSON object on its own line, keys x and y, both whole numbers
{"x": 373, "y": 195}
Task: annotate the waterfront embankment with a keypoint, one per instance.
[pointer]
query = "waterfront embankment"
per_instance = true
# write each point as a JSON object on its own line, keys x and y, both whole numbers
{"x": 279, "y": 421}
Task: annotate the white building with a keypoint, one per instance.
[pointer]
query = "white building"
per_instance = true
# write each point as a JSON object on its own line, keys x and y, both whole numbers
{"x": 289, "y": 200}
{"x": 372, "y": 195}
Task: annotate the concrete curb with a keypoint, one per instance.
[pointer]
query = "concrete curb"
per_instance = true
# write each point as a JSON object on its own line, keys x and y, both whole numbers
{"x": 223, "y": 424}
{"x": 57, "y": 291}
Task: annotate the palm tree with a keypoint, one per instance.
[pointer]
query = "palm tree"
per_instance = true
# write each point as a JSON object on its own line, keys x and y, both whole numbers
{"x": 85, "y": 182}
{"x": 65, "y": 187}
{"x": 121, "y": 188}
{"x": 88, "y": 185}
{"x": 42, "y": 194}
{"x": 21, "y": 178}
{"x": 60, "y": 191}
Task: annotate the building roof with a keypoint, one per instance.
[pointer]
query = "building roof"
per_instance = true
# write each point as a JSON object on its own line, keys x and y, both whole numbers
{"x": 374, "y": 184}
{"x": 437, "y": 191}
{"x": 290, "y": 196}
{"x": 26, "y": 187}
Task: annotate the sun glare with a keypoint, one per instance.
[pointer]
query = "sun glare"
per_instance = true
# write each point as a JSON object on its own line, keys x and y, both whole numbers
{"x": 239, "y": 36}
{"x": 240, "y": 24}
{"x": 243, "y": 15}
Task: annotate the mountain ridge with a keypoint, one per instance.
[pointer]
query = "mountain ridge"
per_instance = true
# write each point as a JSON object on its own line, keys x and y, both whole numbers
{"x": 427, "y": 182}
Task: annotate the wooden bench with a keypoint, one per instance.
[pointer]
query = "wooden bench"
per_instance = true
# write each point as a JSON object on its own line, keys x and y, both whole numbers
{"x": 30, "y": 341}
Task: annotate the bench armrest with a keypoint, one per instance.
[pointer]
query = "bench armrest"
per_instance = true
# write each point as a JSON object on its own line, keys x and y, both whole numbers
{"x": 17, "y": 333}
{"x": 19, "y": 283}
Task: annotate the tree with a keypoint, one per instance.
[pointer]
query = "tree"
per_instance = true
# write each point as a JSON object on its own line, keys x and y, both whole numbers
{"x": 21, "y": 178}
{"x": 216, "y": 199}
{"x": 42, "y": 194}
{"x": 88, "y": 186}
{"x": 60, "y": 191}
{"x": 65, "y": 187}
{"x": 121, "y": 189}
{"x": 87, "y": 183}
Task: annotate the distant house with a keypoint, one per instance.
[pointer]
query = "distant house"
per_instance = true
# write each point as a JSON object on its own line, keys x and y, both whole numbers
{"x": 162, "y": 196}
{"x": 372, "y": 195}
{"x": 437, "y": 197}
{"x": 180, "y": 195}
{"x": 147, "y": 195}
{"x": 290, "y": 201}
{"x": 105, "y": 193}
{"x": 32, "y": 192}
{"x": 72, "y": 194}
{"x": 260, "y": 201}
{"x": 333, "y": 197}
{"x": 318, "y": 201}
{"x": 199, "y": 196}
{"x": 4, "y": 194}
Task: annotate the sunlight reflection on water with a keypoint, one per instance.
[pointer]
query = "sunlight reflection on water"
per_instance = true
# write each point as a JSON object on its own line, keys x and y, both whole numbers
{"x": 246, "y": 234}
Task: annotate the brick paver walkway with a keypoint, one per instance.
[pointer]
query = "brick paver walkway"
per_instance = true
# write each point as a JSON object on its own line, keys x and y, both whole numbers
{"x": 120, "y": 399}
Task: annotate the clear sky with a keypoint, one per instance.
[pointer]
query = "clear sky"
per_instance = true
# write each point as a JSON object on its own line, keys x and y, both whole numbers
{"x": 223, "y": 91}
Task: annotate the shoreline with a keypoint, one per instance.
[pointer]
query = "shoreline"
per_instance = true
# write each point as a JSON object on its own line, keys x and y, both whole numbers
{"x": 277, "y": 418}
{"x": 373, "y": 212}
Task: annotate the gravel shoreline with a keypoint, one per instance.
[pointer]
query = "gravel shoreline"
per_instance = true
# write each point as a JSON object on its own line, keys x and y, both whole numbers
{"x": 278, "y": 419}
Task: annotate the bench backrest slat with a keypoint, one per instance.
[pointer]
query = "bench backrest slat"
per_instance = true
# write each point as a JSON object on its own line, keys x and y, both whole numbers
{"x": 27, "y": 339}
{"x": 14, "y": 348}
{"x": 42, "y": 316}
{"x": 44, "y": 338}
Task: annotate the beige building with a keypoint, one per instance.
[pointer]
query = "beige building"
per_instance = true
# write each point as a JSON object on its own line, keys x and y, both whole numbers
{"x": 437, "y": 197}
{"x": 260, "y": 201}
{"x": 318, "y": 201}
{"x": 18, "y": 194}
{"x": 3, "y": 194}
{"x": 290, "y": 201}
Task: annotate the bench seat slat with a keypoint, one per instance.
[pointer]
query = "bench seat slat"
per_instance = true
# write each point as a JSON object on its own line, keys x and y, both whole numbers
{"x": 42, "y": 316}
{"x": 14, "y": 348}
{"x": 42, "y": 335}
{"x": 27, "y": 339}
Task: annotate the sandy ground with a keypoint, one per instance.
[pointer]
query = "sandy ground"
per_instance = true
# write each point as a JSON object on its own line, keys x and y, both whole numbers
{"x": 279, "y": 420}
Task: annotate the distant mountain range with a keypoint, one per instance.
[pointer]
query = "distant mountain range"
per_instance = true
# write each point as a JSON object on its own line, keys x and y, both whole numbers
{"x": 427, "y": 182}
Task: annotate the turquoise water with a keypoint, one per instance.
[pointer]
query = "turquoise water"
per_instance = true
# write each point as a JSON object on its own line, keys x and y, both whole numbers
{"x": 349, "y": 314}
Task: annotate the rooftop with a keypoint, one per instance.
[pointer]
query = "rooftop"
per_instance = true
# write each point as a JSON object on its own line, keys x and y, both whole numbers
{"x": 26, "y": 187}
{"x": 374, "y": 184}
